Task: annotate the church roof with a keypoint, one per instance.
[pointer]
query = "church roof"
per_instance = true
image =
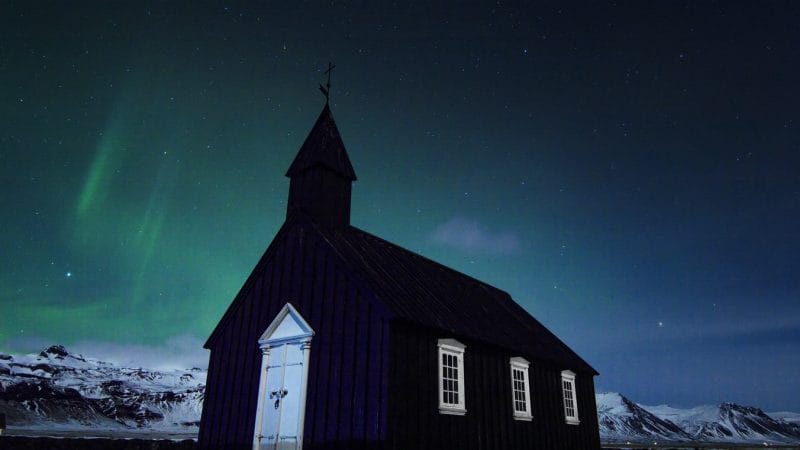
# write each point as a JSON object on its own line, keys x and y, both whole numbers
{"x": 427, "y": 293}
{"x": 323, "y": 146}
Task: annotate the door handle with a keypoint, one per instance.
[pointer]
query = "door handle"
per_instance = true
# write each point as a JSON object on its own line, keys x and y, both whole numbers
{"x": 278, "y": 395}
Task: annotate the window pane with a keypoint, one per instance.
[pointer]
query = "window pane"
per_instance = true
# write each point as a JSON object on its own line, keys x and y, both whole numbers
{"x": 449, "y": 370}
{"x": 519, "y": 389}
{"x": 569, "y": 398}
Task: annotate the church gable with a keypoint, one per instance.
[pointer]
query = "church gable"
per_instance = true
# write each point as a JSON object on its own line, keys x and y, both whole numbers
{"x": 348, "y": 364}
{"x": 299, "y": 255}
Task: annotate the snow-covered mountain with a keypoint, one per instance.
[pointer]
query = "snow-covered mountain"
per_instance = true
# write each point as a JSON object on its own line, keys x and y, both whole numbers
{"x": 59, "y": 391}
{"x": 56, "y": 390}
{"x": 621, "y": 420}
{"x": 729, "y": 422}
{"x": 786, "y": 416}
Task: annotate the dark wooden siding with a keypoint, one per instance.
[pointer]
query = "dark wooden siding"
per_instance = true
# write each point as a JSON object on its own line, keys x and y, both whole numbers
{"x": 322, "y": 194}
{"x": 347, "y": 370}
{"x": 415, "y": 422}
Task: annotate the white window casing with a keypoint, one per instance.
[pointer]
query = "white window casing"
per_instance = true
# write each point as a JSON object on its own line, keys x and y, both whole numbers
{"x": 520, "y": 389}
{"x": 451, "y": 377}
{"x": 569, "y": 394}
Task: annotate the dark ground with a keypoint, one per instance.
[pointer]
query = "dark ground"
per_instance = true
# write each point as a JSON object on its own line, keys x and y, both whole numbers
{"x": 46, "y": 443}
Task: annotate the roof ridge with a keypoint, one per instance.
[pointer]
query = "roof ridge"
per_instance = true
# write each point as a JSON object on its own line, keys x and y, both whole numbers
{"x": 438, "y": 264}
{"x": 501, "y": 298}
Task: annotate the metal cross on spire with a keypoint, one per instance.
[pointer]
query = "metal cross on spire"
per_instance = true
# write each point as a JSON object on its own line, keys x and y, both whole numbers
{"x": 326, "y": 90}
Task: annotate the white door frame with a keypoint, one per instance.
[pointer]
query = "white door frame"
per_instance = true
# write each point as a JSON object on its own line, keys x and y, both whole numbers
{"x": 297, "y": 333}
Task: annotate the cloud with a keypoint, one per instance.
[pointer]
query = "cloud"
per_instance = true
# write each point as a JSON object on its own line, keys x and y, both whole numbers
{"x": 756, "y": 330}
{"x": 24, "y": 344}
{"x": 178, "y": 352}
{"x": 470, "y": 236}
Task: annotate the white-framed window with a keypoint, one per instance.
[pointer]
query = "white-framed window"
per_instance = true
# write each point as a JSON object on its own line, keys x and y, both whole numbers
{"x": 520, "y": 389}
{"x": 451, "y": 377}
{"x": 570, "y": 397}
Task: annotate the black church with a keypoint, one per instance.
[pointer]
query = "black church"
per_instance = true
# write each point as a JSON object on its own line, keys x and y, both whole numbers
{"x": 342, "y": 340}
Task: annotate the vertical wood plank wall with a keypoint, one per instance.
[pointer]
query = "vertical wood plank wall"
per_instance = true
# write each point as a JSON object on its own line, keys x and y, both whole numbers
{"x": 370, "y": 388}
{"x": 323, "y": 194}
{"x": 348, "y": 367}
{"x": 415, "y": 422}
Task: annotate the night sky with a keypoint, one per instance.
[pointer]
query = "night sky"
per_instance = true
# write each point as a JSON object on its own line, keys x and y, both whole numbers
{"x": 629, "y": 173}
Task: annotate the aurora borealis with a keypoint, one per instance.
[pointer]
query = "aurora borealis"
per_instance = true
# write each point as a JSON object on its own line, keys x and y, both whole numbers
{"x": 628, "y": 173}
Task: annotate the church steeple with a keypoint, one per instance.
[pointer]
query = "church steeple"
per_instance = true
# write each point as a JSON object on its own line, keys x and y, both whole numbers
{"x": 321, "y": 175}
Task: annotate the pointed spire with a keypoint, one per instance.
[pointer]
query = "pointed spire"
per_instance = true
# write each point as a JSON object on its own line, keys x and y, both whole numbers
{"x": 321, "y": 175}
{"x": 324, "y": 147}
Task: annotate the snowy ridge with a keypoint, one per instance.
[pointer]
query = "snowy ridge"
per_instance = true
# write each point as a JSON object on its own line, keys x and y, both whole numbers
{"x": 786, "y": 416}
{"x": 729, "y": 422}
{"x": 621, "y": 420}
{"x": 58, "y": 390}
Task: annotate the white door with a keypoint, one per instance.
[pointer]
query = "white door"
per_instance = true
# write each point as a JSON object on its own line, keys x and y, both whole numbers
{"x": 285, "y": 347}
{"x": 281, "y": 418}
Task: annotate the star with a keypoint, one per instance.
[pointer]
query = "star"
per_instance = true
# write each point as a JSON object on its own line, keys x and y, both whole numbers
{"x": 68, "y": 274}
{"x": 660, "y": 324}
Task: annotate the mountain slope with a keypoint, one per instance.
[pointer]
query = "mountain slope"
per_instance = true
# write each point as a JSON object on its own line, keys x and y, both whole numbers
{"x": 621, "y": 420}
{"x": 60, "y": 391}
{"x": 728, "y": 422}
{"x": 786, "y": 416}
{"x": 57, "y": 390}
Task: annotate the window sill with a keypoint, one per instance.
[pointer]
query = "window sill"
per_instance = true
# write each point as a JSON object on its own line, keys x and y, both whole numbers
{"x": 524, "y": 418}
{"x": 452, "y": 411}
{"x": 573, "y": 422}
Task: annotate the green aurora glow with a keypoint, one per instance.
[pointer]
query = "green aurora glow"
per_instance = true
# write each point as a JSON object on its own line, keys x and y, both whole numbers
{"x": 628, "y": 174}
